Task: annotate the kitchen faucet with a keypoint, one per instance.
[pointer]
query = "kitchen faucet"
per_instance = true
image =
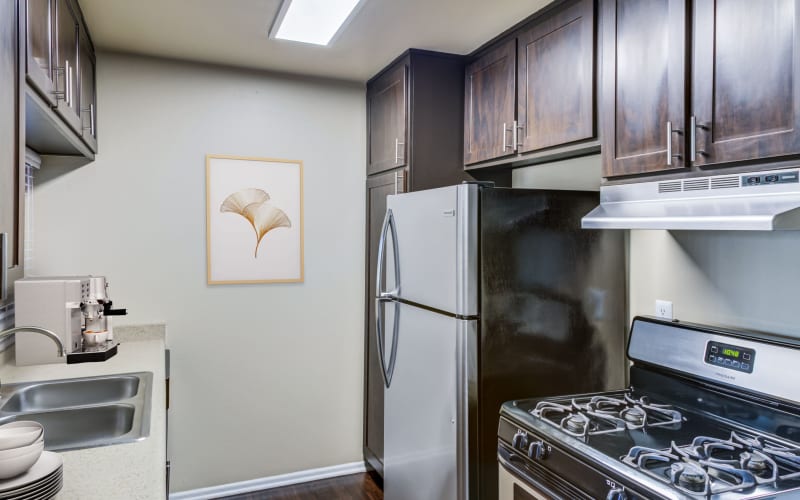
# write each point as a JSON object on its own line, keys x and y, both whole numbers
{"x": 36, "y": 329}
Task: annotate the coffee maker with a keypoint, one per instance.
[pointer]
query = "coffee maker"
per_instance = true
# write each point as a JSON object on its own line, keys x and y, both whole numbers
{"x": 77, "y": 308}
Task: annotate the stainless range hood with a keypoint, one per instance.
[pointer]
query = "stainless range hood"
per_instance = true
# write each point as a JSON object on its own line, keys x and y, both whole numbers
{"x": 757, "y": 201}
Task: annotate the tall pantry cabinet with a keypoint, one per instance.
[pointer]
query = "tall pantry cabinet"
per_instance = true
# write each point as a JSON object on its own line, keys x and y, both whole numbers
{"x": 415, "y": 113}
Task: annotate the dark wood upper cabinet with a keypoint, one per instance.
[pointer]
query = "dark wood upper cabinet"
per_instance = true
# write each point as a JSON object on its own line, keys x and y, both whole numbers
{"x": 59, "y": 64}
{"x": 531, "y": 95}
{"x": 88, "y": 92}
{"x": 66, "y": 70}
{"x": 490, "y": 95}
{"x": 746, "y": 85}
{"x": 744, "y": 58}
{"x": 556, "y": 98}
{"x": 387, "y": 104}
{"x": 415, "y": 113}
{"x": 39, "y": 59}
{"x": 643, "y": 86}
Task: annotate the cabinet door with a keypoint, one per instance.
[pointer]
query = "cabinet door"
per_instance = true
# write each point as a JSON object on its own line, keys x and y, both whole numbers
{"x": 490, "y": 92}
{"x": 88, "y": 93}
{"x": 556, "y": 94}
{"x": 378, "y": 188}
{"x": 10, "y": 151}
{"x": 746, "y": 83}
{"x": 39, "y": 57}
{"x": 643, "y": 86}
{"x": 387, "y": 129}
{"x": 66, "y": 70}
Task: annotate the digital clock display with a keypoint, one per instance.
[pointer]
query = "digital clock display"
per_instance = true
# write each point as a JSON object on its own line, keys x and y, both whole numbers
{"x": 730, "y": 356}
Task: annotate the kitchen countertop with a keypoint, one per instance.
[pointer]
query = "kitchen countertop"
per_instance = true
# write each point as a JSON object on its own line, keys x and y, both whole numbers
{"x": 130, "y": 470}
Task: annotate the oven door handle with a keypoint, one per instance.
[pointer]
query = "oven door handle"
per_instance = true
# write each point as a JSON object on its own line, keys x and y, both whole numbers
{"x": 507, "y": 457}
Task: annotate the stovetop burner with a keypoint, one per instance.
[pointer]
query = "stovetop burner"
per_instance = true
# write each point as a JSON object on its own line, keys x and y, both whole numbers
{"x": 593, "y": 415}
{"x": 711, "y": 466}
{"x": 685, "y": 448}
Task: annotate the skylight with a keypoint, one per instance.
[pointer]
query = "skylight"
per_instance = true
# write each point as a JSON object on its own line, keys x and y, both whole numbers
{"x": 311, "y": 21}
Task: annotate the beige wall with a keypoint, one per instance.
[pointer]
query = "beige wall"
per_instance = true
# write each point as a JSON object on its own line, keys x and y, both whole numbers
{"x": 744, "y": 279}
{"x": 266, "y": 379}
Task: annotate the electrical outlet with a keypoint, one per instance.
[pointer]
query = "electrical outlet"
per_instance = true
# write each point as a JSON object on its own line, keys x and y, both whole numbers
{"x": 664, "y": 309}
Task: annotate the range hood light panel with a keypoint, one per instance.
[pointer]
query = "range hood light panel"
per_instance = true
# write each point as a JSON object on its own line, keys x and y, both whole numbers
{"x": 311, "y": 21}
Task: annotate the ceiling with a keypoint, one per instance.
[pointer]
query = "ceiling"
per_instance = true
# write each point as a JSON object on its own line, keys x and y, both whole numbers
{"x": 234, "y": 32}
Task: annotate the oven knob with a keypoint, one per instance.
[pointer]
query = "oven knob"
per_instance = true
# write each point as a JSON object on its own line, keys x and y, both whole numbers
{"x": 537, "y": 450}
{"x": 520, "y": 440}
{"x": 617, "y": 494}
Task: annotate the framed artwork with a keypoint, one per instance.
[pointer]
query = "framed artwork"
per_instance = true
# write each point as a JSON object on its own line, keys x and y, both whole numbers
{"x": 254, "y": 220}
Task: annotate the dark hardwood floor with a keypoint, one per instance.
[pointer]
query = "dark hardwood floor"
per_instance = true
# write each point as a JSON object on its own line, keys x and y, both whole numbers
{"x": 352, "y": 487}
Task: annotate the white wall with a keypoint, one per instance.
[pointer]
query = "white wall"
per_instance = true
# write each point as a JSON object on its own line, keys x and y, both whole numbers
{"x": 266, "y": 379}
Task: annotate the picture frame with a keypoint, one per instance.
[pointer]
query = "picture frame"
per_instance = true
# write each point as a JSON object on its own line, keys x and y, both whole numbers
{"x": 254, "y": 220}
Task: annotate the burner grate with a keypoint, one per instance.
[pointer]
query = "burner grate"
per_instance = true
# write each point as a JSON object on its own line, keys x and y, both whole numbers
{"x": 595, "y": 415}
{"x": 712, "y": 466}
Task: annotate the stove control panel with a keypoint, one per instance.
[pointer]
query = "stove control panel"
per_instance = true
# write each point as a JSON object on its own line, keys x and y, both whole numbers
{"x": 730, "y": 356}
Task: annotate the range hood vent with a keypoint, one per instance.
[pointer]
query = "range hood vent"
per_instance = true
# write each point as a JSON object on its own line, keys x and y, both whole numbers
{"x": 757, "y": 201}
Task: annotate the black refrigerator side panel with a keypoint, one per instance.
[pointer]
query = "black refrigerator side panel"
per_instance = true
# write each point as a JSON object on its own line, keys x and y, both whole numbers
{"x": 552, "y": 306}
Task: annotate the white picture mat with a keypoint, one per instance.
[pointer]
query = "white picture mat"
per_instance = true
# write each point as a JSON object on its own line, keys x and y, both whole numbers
{"x": 232, "y": 238}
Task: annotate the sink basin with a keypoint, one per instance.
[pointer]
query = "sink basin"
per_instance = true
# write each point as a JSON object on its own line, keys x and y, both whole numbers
{"x": 65, "y": 393}
{"x": 84, "y": 427}
{"x": 83, "y": 412}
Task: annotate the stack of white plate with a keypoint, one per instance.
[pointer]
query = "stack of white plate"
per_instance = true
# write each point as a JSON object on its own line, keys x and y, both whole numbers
{"x": 26, "y": 471}
{"x": 40, "y": 482}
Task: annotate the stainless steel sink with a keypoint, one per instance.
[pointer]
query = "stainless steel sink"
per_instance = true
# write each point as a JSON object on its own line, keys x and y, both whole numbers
{"x": 83, "y": 412}
{"x": 77, "y": 392}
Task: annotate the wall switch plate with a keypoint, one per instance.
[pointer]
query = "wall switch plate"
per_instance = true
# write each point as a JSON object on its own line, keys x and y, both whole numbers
{"x": 664, "y": 309}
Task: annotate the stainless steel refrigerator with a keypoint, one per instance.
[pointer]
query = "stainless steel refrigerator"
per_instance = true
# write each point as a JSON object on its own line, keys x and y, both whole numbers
{"x": 486, "y": 295}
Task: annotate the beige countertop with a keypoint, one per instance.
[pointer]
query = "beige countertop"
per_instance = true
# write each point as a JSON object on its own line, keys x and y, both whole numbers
{"x": 130, "y": 470}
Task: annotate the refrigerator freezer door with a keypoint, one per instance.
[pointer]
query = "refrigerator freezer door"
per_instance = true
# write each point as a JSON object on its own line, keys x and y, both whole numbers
{"x": 437, "y": 241}
{"x": 424, "y": 417}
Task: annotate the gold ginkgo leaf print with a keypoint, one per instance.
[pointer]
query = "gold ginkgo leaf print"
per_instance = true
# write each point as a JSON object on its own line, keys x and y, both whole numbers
{"x": 251, "y": 203}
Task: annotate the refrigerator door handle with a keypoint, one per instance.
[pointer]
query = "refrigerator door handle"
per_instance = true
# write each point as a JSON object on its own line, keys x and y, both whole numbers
{"x": 379, "y": 339}
{"x": 387, "y": 296}
{"x": 388, "y": 225}
{"x": 393, "y": 356}
{"x": 387, "y": 371}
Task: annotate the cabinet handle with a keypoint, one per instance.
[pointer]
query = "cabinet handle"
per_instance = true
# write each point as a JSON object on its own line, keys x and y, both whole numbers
{"x": 67, "y": 82}
{"x": 399, "y": 180}
{"x": 671, "y": 131}
{"x": 693, "y": 139}
{"x": 397, "y": 145}
{"x": 517, "y": 128}
{"x": 69, "y": 85}
{"x": 61, "y": 95}
{"x": 505, "y": 129}
{"x": 3, "y": 266}
{"x": 90, "y": 111}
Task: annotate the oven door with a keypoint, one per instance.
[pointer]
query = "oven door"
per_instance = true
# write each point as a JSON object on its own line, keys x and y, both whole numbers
{"x": 511, "y": 487}
{"x": 522, "y": 480}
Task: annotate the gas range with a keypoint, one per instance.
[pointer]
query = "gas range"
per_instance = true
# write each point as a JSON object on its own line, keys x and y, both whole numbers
{"x": 689, "y": 427}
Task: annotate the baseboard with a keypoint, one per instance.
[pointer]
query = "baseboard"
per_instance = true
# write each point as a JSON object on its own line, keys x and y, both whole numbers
{"x": 265, "y": 483}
